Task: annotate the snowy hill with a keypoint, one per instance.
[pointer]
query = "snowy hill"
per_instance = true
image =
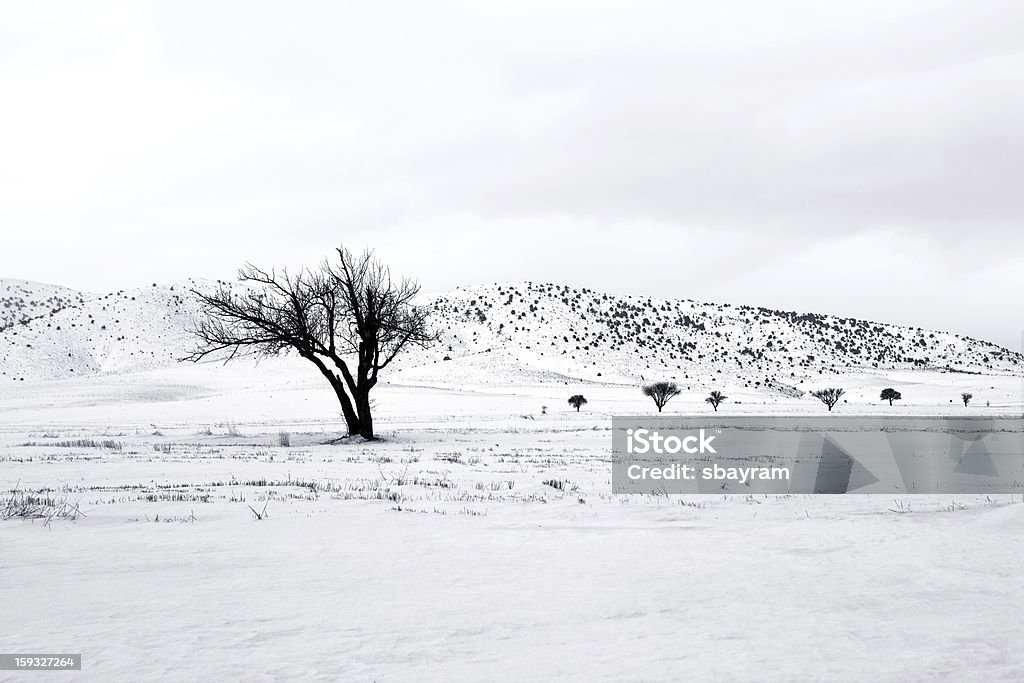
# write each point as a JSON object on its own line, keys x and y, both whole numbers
{"x": 113, "y": 332}
{"x": 583, "y": 334}
{"x": 21, "y": 301}
{"x": 516, "y": 334}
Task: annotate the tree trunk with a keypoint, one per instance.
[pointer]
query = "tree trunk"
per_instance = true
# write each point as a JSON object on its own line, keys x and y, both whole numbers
{"x": 365, "y": 418}
{"x": 352, "y": 421}
{"x": 348, "y": 411}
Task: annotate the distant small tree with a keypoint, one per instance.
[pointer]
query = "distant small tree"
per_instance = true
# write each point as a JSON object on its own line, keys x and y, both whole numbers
{"x": 661, "y": 392}
{"x": 577, "y": 401}
{"x": 891, "y": 395}
{"x": 829, "y": 396}
{"x": 715, "y": 399}
{"x": 966, "y": 398}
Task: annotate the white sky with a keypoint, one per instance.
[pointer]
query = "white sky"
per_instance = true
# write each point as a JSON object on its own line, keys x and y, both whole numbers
{"x": 860, "y": 158}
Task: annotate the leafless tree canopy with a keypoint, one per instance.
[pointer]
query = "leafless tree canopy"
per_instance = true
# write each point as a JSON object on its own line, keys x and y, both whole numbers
{"x": 661, "y": 393}
{"x": 966, "y": 397}
{"x": 347, "y": 317}
{"x": 829, "y": 396}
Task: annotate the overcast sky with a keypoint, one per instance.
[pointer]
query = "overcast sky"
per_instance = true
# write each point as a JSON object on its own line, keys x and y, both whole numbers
{"x": 861, "y": 158}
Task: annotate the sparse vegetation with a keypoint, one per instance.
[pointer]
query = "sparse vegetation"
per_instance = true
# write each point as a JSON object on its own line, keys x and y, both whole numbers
{"x": 966, "y": 397}
{"x": 80, "y": 443}
{"x": 262, "y": 514}
{"x": 37, "y": 505}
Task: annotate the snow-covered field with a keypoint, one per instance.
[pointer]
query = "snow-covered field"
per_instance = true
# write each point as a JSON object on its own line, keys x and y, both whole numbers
{"x": 478, "y": 540}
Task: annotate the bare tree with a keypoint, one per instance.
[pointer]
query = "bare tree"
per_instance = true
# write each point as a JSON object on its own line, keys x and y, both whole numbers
{"x": 715, "y": 399}
{"x": 661, "y": 392}
{"x": 577, "y": 401}
{"x": 966, "y": 398}
{"x": 347, "y": 317}
{"x": 891, "y": 395}
{"x": 829, "y": 396}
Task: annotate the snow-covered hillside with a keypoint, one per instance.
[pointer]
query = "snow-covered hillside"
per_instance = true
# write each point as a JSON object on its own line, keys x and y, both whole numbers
{"x": 519, "y": 333}
{"x": 565, "y": 332}
{"x": 113, "y": 332}
{"x": 21, "y": 301}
